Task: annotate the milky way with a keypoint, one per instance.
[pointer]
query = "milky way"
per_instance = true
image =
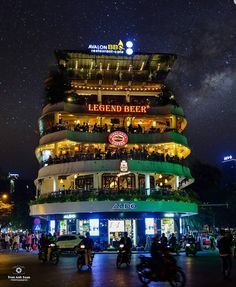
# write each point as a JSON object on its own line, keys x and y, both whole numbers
{"x": 201, "y": 33}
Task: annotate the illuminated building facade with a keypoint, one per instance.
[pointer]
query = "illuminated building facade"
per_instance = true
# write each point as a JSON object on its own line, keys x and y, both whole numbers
{"x": 112, "y": 148}
{"x": 228, "y": 168}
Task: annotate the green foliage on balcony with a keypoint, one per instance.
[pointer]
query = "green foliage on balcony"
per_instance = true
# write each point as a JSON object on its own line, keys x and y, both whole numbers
{"x": 131, "y": 196}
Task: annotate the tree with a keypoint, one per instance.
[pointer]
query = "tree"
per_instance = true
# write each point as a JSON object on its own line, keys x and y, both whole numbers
{"x": 24, "y": 192}
{"x": 207, "y": 186}
{"x": 56, "y": 86}
{"x": 207, "y": 182}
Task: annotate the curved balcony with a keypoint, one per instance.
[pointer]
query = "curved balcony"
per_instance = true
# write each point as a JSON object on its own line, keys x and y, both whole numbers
{"x": 137, "y": 207}
{"x": 85, "y": 137}
{"x": 82, "y": 109}
{"x": 113, "y": 166}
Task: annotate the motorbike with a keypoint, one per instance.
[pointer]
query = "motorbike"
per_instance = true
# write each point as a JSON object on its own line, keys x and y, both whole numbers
{"x": 123, "y": 256}
{"x": 54, "y": 254}
{"x": 191, "y": 248}
{"x": 168, "y": 271}
{"x": 81, "y": 252}
{"x": 174, "y": 248}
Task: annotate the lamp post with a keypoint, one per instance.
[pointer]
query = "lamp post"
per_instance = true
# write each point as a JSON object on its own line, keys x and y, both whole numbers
{"x": 4, "y": 196}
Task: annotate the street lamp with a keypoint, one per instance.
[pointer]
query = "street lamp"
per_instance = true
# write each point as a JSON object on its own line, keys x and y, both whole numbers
{"x": 4, "y": 196}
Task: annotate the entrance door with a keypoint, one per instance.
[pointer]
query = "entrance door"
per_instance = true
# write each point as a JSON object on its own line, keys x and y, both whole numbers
{"x": 116, "y": 229}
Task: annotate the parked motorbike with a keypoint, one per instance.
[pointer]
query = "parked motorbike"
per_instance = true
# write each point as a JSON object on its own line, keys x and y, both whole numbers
{"x": 81, "y": 252}
{"x": 191, "y": 248}
{"x": 53, "y": 250}
{"x": 123, "y": 256}
{"x": 168, "y": 271}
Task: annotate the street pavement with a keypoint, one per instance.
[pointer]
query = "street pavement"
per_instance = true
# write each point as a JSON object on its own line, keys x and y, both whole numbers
{"x": 203, "y": 270}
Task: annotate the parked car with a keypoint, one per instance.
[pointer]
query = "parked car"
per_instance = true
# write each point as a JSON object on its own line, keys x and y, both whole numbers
{"x": 69, "y": 242}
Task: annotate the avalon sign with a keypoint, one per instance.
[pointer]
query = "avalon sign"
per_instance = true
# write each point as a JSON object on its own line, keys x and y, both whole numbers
{"x": 124, "y": 206}
{"x": 117, "y": 48}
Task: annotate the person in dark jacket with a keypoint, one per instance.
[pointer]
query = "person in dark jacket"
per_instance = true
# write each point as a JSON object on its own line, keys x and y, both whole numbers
{"x": 126, "y": 240}
{"x": 224, "y": 246}
{"x": 89, "y": 243}
{"x": 159, "y": 256}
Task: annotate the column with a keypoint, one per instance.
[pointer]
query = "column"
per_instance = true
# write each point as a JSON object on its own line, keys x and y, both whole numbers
{"x": 147, "y": 184}
{"x": 176, "y": 182}
{"x": 56, "y": 118}
{"x": 56, "y": 149}
{"x": 99, "y": 96}
{"x": 136, "y": 181}
{"x": 127, "y": 97}
{"x": 54, "y": 183}
{"x": 95, "y": 180}
{"x": 173, "y": 122}
{"x": 99, "y": 180}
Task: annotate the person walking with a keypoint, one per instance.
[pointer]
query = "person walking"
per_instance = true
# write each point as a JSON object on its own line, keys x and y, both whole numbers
{"x": 212, "y": 239}
{"x": 224, "y": 246}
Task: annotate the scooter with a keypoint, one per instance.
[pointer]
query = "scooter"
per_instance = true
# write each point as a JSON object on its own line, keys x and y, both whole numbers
{"x": 82, "y": 252}
{"x": 54, "y": 254}
{"x": 169, "y": 271}
{"x": 123, "y": 256}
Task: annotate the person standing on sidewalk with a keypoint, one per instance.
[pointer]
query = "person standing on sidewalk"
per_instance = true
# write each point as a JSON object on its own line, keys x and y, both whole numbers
{"x": 224, "y": 245}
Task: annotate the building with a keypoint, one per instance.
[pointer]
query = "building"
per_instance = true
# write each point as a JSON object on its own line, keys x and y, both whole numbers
{"x": 228, "y": 168}
{"x": 112, "y": 148}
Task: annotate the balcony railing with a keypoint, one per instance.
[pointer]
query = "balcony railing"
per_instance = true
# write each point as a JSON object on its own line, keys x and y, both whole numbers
{"x": 86, "y": 128}
{"x": 118, "y": 154}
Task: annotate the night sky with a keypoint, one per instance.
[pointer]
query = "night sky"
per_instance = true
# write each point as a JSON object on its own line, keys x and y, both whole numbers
{"x": 202, "y": 33}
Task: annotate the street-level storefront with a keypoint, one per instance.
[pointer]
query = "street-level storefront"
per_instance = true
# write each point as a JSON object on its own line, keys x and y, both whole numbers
{"x": 108, "y": 220}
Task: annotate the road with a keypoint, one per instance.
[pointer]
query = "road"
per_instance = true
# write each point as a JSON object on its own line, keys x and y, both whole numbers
{"x": 201, "y": 271}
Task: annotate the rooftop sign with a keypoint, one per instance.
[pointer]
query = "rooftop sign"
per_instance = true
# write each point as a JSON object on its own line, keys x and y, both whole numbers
{"x": 118, "y": 48}
{"x": 229, "y": 157}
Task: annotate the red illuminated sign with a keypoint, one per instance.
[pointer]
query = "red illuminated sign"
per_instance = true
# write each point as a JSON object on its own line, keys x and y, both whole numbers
{"x": 117, "y": 108}
{"x": 118, "y": 138}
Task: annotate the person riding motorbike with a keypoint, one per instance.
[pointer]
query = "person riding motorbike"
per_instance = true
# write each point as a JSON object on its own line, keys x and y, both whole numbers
{"x": 158, "y": 254}
{"x": 172, "y": 240}
{"x": 164, "y": 240}
{"x": 88, "y": 242}
{"x": 191, "y": 247}
{"x": 44, "y": 248}
{"x": 173, "y": 244}
{"x": 160, "y": 267}
{"x": 126, "y": 240}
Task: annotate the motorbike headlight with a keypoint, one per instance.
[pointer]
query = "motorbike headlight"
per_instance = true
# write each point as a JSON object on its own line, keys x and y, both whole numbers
{"x": 82, "y": 246}
{"x": 121, "y": 246}
{"x": 52, "y": 245}
{"x": 187, "y": 245}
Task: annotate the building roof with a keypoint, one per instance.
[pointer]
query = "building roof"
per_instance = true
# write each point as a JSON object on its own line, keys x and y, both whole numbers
{"x": 151, "y": 67}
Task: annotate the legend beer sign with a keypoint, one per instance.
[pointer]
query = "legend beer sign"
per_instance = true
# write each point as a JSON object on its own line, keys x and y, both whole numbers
{"x": 117, "y": 108}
